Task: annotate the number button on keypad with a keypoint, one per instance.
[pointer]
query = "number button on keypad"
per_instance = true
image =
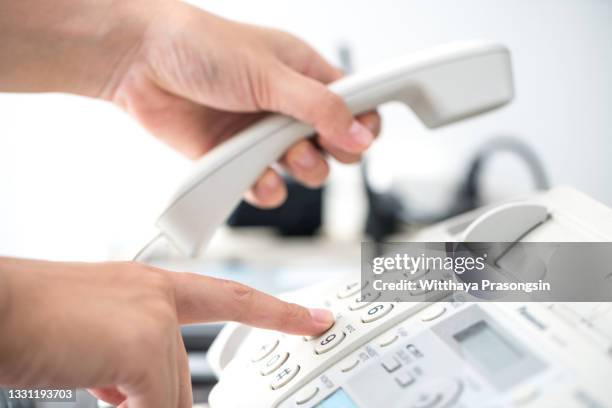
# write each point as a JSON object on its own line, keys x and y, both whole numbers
{"x": 328, "y": 341}
{"x": 284, "y": 375}
{"x": 376, "y": 311}
{"x": 273, "y": 362}
{"x": 363, "y": 300}
{"x": 350, "y": 289}
{"x": 263, "y": 351}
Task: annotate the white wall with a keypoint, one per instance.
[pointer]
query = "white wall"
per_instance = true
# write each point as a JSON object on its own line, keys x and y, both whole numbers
{"x": 78, "y": 179}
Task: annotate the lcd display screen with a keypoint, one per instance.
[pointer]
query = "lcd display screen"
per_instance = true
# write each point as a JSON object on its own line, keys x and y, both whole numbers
{"x": 487, "y": 348}
{"x": 339, "y": 399}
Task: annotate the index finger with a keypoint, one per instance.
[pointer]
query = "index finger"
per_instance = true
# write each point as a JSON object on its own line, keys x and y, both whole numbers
{"x": 205, "y": 299}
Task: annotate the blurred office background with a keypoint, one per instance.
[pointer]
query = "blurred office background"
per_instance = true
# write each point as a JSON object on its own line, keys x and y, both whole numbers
{"x": 81, "y": 180}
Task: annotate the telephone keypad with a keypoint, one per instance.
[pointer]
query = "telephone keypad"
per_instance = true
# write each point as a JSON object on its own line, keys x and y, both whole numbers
{"x": 375, "y": 312}
{"x": 284, "y": 375}
{"x": 272, "y": 363}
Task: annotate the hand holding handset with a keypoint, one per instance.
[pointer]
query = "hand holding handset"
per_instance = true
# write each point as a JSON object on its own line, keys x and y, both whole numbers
{"x": 441, "y": 85}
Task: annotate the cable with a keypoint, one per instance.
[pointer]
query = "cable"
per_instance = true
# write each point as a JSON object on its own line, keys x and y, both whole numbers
{"x": 469, "y": 197}
{"x": 387, "y": 213}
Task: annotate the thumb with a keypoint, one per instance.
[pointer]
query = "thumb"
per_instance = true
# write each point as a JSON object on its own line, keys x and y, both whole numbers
{"x": 204, "y": 299}
{"x": 310, "y": 101}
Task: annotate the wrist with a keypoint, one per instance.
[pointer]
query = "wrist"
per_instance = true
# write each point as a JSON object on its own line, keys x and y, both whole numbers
{"x": 70, "y": 46}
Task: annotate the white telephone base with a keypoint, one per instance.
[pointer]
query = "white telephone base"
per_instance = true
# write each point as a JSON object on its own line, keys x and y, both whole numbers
{"x": 406, "y": 354}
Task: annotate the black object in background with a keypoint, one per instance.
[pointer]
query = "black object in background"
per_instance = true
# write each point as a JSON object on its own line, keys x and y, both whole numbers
{"x": 387, "y": 213}
{"x": 299, "y": 215}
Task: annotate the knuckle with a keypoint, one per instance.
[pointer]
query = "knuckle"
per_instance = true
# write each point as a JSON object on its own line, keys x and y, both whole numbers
{"x": 330, "y": 115}
{"x": 242, "y": 297}
{"x": 328, "y": 104}
{"x": 159, "y": 281}
{"x": 263, "y": 86}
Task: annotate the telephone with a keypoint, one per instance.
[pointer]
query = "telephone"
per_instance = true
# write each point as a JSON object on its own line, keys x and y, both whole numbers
{"x": 410, "y": 354}
{"x": 436, "y": 354}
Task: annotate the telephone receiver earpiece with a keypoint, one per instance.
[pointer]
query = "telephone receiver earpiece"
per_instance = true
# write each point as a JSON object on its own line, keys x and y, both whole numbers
{"x": 441, "y": 85}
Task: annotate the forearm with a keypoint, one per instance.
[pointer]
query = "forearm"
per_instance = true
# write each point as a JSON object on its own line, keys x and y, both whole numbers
{"x": 23, "y": 335}
{"x": 75, "y": 46}
{"x": 6, "y": 295}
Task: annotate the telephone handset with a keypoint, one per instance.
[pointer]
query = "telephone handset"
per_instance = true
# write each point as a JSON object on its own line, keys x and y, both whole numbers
{"x": 441, "y": 85}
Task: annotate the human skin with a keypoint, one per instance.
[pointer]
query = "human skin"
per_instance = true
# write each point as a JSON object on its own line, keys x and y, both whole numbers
{"x": 192, "y": 79}
{"x": 115, "y": 327}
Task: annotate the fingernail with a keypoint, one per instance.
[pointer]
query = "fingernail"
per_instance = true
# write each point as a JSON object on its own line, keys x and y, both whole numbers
{"x": 307, "y": 159}
{"x": 360, "y": 134}
{"x": 269, "y": 182}
{"x": 322, "y": 316}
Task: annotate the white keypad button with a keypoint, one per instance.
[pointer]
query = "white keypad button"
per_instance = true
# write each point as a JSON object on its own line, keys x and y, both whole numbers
{"x": 525, "y": 396}
{"x": 328, "y": 341}
{"x": 359, "y": 302}
{"x": 436, "y": 393}
{"x": 351, "y": 289}
{"x": 420, "y": 292}
{"x": 284, "y": 375}
{"x": 390, "y": 364}
{"x": 306, "y": 395}
{"x": 349, "y": 365}
{"x": 388, "y": 340}
{"x": 310, "y": 338}
{"x": 419, "y": 273}
{"x": 376, "y": 311}
{"x": 273, "y": 362}
{"x": 432, "y": 312}
{"x": 263, "y": 351}
{"x": 426, "y": 400}
{"x": 404, "y": 379}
